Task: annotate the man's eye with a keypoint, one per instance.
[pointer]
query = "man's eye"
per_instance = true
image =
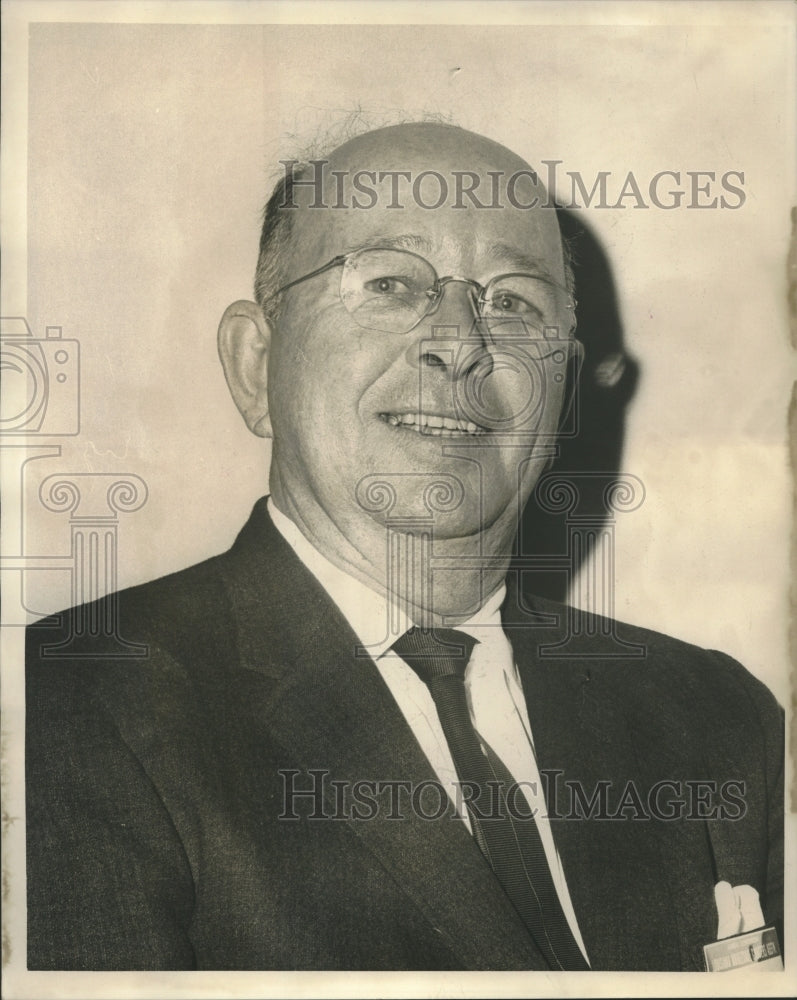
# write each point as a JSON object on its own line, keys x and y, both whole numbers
{"x": 501, "y": 303}
{"x": 388, "y": 286}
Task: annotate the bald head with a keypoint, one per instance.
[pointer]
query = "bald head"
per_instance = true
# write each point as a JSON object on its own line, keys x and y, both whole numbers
{"x": 414, "y": 330}
{"x": 397, "y": 147}
{"x": 418, "y": 168}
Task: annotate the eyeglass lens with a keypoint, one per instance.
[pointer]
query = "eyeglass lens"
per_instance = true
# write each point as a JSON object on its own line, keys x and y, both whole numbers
{"x": 392, "y": 290}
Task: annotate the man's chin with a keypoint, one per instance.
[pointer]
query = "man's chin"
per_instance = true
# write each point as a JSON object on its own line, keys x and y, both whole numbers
{"x": 440, "y": 504}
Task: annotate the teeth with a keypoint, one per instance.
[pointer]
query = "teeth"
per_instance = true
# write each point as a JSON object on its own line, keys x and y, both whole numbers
{"x": 431, "y": 424}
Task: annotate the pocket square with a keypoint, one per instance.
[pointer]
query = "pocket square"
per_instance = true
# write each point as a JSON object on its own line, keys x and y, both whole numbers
{"x": 738, "y": 909}
{"x": 742, "y": 939}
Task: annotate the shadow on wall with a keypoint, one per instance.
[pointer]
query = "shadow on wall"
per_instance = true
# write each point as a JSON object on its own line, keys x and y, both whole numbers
{"x": 591, "y": 456}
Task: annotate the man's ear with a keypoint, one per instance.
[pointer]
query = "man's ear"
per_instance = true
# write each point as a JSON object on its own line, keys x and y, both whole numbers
{"x": 244, "y": 342}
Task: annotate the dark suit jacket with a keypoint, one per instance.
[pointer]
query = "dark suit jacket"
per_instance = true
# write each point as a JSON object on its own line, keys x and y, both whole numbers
{"x": 155, "y": 837}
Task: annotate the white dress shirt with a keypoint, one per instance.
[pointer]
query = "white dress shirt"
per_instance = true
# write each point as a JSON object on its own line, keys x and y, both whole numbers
{"x": 495, "y": 696}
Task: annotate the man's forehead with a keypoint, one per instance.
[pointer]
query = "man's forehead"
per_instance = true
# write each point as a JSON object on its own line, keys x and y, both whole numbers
{"x": 455, "y": 197}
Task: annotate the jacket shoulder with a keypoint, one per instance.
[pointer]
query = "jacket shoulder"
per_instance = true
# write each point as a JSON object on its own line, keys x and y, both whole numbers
{"x": 167, "y": 612}
{"x": 646, "y": 667}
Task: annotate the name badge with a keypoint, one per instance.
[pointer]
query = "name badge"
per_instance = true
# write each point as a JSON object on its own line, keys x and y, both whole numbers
{"x": 759, "y": 948}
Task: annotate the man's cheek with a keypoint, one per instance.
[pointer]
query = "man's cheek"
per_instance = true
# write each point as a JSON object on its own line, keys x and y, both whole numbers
{"x": 512, "y": 397}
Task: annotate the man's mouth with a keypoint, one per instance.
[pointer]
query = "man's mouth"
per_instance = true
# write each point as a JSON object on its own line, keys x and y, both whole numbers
{"x": 433, "y": 425}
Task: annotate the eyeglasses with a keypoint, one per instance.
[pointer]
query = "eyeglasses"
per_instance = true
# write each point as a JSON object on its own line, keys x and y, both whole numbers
{"x": 391, "y": 291}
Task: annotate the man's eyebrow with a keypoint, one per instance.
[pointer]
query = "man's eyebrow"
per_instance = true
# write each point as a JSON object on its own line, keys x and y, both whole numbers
{"x": 504, "y": 254}
{"x": 405, "y": 241}
{"x": 509, "y": 256}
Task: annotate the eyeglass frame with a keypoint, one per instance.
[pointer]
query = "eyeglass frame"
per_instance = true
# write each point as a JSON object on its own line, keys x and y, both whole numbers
{"x": 435, "y": 293}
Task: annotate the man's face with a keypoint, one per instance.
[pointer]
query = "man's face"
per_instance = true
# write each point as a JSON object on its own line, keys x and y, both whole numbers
{"x": 447, "y": 402}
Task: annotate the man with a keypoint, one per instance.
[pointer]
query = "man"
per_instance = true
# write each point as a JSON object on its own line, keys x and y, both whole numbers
{"x": 349, "y": 745}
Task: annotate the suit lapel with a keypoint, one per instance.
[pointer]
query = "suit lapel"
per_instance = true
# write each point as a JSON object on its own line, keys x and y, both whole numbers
{"x": 630, "y": 880}
{"x": 331, "y": 710}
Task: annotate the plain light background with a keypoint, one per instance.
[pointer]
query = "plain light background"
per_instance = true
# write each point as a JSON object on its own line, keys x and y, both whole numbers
{"x": 152, "y": 149}
{"x": 132, "y": 188}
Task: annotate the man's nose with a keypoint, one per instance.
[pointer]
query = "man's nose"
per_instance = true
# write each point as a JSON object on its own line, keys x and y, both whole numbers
{"x": 450, "y": 338}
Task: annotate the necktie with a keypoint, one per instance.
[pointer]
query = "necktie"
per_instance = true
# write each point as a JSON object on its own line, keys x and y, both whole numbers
{"x": 510, "y": 841}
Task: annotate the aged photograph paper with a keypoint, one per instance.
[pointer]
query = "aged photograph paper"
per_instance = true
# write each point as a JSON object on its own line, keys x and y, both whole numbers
{"x": 397, "y": 498}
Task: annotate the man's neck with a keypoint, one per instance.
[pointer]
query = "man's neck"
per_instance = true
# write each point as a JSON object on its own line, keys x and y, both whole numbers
{"x": 434, "y": 580}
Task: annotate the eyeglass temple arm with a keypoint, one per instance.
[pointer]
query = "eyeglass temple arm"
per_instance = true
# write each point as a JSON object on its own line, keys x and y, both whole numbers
{"x": 335, "y": 262}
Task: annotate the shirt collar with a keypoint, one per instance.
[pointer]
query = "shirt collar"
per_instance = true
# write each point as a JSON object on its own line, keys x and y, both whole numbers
{"x": 375, "y": 620}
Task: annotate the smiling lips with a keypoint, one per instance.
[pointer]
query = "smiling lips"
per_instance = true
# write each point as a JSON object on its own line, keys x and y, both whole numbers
{"x": 433, "y": 425}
